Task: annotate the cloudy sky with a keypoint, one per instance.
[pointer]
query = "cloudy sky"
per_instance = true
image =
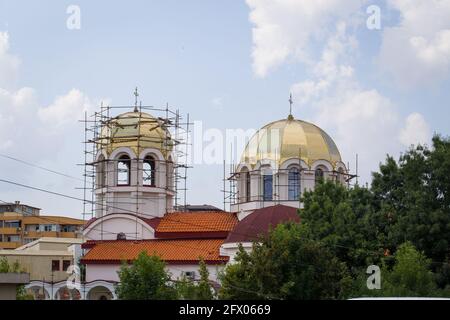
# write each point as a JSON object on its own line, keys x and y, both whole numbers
{"x": 229, "y": 64}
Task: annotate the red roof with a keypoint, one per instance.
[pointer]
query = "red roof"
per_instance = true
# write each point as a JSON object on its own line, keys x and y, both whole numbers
{"x": 172, "y": 251}
{"x": 201, "y": 224}
{"x": 259, "y": 222}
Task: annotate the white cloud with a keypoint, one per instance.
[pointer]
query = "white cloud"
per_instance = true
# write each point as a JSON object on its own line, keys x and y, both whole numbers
{"x": 364, "y": 122}
{"x": 17, "y": 113}
{"x": 65, "y": 109}
{"x": 45, "y": 135}
{"x": 307, "y": 90}
{"x": 217, "y": 103}
{"x": 417, "y": 50}
{"x": 361, "y": 120}
{"x": 331, "y": 68}
{"x": 9, "y": 64}
{"x": 283, "y": 29}
{"x": 23, "y": 121}
{"x": 416, "y": 130}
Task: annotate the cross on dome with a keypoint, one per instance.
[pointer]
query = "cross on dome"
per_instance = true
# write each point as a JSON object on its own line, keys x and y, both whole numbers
{"x": 290, "y": 117}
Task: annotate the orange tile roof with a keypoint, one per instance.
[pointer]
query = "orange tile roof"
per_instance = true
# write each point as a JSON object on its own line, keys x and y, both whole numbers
{"x": 202, "y": 221}
{"x": 171, "y": 251}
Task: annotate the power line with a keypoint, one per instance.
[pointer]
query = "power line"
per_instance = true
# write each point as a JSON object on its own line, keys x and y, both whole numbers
{"x": 116, "y": 233}
{"x": 118, "y": 208}
{"x": 40, "y": 167}
{"x": 169, "y": 219}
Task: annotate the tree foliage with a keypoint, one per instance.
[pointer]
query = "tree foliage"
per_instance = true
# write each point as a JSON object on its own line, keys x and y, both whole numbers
{"x": 190, "y": 290}
{"x": 409, "y": 276}
{"x": 145, "y": 279}
{"x": 15, "y": 267}
{"x": 401, "y": 223}
{"x": 285, "y": 265}
{"x": 416, "y": 191}
{"x": 6, "y": 267}
{"x": 346, "y": 221}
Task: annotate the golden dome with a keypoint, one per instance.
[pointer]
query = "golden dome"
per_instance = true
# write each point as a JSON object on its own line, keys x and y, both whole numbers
{"x": 281, "y": 140}
{"x": 135, "y": 130}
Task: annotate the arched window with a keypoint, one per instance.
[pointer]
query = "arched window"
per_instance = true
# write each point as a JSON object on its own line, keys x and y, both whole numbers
{"x": 247, "y": 186}
{"x": 267, "y": 186}
{"x": 148, "y": 171}
{"x": 294, "y": 184}
{"x": 319, "y": 175}
{"x": 123, "y": 171}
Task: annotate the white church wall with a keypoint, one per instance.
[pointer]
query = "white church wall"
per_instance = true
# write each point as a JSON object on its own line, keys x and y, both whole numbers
{"x": 109, "y": 271}
{"x": 176, "y": 271}
{"x": 231, "y": 249}
{"x": 108, "y": 228}
{"x": 102, "y": 272}
{"x": 153, "y": 200}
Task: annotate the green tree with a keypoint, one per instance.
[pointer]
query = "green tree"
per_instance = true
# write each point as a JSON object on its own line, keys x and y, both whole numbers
{"x": 145, "y": 279}
{"x": 238, "y": 280}
{"x": 185, "y": 288}
{"x": 21, "y": 293}
{"x": 285, "y": 265}
{"x": 189, "y": 290}
{"x": 410, "y": 276}
{"x": 5, "y": 267}
{"x": 416, "y": 192}
{"x": 347, "y": 221}
{"x": 204, "y": 289}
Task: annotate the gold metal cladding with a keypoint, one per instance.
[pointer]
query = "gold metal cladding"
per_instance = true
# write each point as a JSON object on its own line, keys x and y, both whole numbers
{"x": 136, "y": 130}
{"x": 290, "y": 138}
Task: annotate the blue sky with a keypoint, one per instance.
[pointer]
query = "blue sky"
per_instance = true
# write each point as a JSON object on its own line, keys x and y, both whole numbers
{"x": 229, "y": 64}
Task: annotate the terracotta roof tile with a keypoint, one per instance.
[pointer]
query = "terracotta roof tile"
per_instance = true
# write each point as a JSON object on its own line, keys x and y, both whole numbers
{"x": 192, "y": 222}
{"x": 171, "y": 251}
{"x": 259, "y": 222}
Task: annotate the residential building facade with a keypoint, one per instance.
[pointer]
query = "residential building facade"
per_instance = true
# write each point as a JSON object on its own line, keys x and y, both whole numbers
{"x": 21, "y": 224}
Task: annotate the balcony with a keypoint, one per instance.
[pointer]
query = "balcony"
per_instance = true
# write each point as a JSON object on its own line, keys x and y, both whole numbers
{"x": 67, "y": 235}
{"x": 39, "y": 234}
{"x": 9, "y": 245}
{"x": 8, "y": 231}
{"x": 51, "y": 234}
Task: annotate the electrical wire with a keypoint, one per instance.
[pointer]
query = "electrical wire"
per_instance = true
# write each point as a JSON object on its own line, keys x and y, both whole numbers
{"x": 39, "y": 167}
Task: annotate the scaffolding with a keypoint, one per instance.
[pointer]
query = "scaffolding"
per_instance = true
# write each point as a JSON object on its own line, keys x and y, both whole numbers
{"x": 97, "y": 172}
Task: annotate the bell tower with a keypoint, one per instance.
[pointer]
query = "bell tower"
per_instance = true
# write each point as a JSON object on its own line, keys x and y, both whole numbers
{"x": 134, "y": 169}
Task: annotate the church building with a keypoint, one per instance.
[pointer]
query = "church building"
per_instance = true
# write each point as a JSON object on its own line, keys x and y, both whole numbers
{"x": 135, "y": 169}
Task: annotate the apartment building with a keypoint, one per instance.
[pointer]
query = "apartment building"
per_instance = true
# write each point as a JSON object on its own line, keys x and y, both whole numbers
{"x": 21, "y": 224}
{"x": 46, "y": 258}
